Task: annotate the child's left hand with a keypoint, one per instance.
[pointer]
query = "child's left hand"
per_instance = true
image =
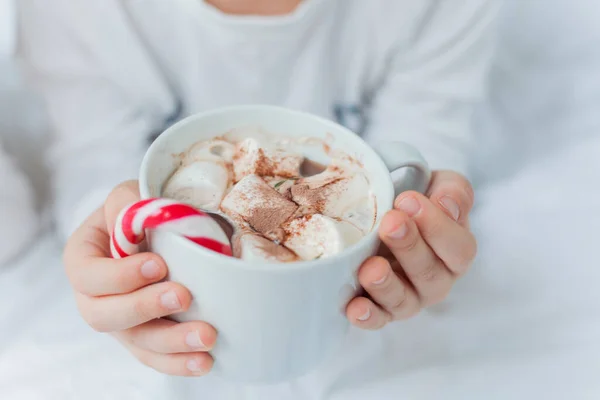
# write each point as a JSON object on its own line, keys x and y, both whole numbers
{"x": 428, "y": 245}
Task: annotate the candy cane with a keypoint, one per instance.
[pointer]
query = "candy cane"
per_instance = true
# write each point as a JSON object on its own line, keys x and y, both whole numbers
{"x": 169, "y": 215}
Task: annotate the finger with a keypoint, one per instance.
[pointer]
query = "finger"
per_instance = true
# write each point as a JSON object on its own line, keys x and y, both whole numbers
{"x": 92, "y": 236}
{"x": 427, "y": 273}
{"x": 100, "y": 276}
{"x": 452, "y": 243}
{"x": 89, "y": 239}
{"x": 91, "y": 270}
{"x": 387, "y": 289}
{"x": 164, "y": 336}
{"x": 365, "y": 314}
{"x": 453, "y": 193}
{"x": 115, "y": 313}
{"x": 190, "y": 364}
{"x": 122, "y": 196}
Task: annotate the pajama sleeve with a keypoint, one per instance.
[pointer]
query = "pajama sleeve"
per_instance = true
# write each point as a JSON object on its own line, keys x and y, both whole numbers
{"x": 101, "y": 120}
{"x": 19, "y": 220}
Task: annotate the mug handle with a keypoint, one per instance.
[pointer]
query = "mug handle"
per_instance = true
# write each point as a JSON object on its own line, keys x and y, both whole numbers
{"x": 408, "y": 168}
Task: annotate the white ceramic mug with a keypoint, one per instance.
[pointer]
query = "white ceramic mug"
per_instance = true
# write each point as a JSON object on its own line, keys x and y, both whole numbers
{"x": 275, "y": 321}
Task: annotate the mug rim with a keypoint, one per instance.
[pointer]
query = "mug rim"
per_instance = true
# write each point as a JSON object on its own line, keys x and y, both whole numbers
{"x": 373, "y": 235}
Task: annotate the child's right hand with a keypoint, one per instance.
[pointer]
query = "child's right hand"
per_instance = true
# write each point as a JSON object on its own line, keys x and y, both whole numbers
{"x": 123, "y": 297}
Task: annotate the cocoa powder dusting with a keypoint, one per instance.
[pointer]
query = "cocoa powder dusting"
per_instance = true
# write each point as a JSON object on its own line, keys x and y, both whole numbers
{"x": 268, "y": 219}
{"x": 270, "y": 216}
{"x": 263, "y": 165}
{"x": 297, "y": 225}
{"x": 304, "y": 195}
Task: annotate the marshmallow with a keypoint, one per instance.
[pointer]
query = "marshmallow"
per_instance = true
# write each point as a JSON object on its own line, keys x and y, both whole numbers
{"x": 351, "y": 200}
{"x": 264, "y": 209}
{"x": 254, "y": 158}
{"x": 279, "y": 215}
{"x": 338, "y": 196}
{"x": 201, "y": 184}
{"x": 317, "y": 236}
{"x": 362, "y": 215}
{"x": 215, "y": 150}
{"x": 252, "y": 247}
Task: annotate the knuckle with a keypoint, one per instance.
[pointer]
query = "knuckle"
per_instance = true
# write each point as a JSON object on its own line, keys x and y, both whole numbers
{"x": 466, "y": 257}
{"x": 91, "y": 315}
{"x": 146, "y": 359}
{"x": 430, "y": 273}
{"x": 131, "y": 335}
{"x": 405, "y": 245}
{"x": 461, "y": 182}
{"x": 389, "y": 296}
{"x": 122, "y": 280}
{"x": 432, "y": 227}
{"x": 143, "y": 310}
{"x": 399, "y": 302}
{"x": 96, "y": 322}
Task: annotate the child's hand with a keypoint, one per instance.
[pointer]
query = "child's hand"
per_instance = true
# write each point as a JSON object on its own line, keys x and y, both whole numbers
{"x": 123, "y": 298}
{"x": 428, "y": 246}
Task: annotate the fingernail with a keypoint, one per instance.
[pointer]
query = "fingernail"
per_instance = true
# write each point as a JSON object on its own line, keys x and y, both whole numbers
{"x": 150, "y": 269}
{"x": 193, "y": 365}
{"x": 451, "y": 206}
{"x": 380, "y": 281}
{"x": 365, "y": 316}
{"x": 399, "y": 232}
{"x": 409, "y": 205}
{"x": 170, "y": 301}
{"x": 193, "y": 340}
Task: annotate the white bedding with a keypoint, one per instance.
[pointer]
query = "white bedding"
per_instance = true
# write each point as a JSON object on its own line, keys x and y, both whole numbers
{"x": 524, "y": 324}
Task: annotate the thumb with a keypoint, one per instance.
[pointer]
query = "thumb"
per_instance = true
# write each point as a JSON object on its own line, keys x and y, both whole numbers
{"x": 122, "y": 196}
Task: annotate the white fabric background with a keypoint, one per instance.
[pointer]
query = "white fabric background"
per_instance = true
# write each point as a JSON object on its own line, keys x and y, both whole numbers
{"x": 523, "y": 325}
{"x": 7, "y": 29}
{"x": 18, "y": 216}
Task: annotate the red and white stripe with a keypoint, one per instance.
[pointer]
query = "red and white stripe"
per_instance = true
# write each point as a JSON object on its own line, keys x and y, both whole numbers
{"x": 168, "y": 215}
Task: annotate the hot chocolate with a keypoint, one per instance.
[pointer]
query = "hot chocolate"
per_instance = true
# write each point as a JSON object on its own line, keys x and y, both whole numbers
{"x": 285, "y": 206}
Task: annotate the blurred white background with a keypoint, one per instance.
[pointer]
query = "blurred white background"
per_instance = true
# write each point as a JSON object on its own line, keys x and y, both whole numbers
{"x": 523, "y": 325}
